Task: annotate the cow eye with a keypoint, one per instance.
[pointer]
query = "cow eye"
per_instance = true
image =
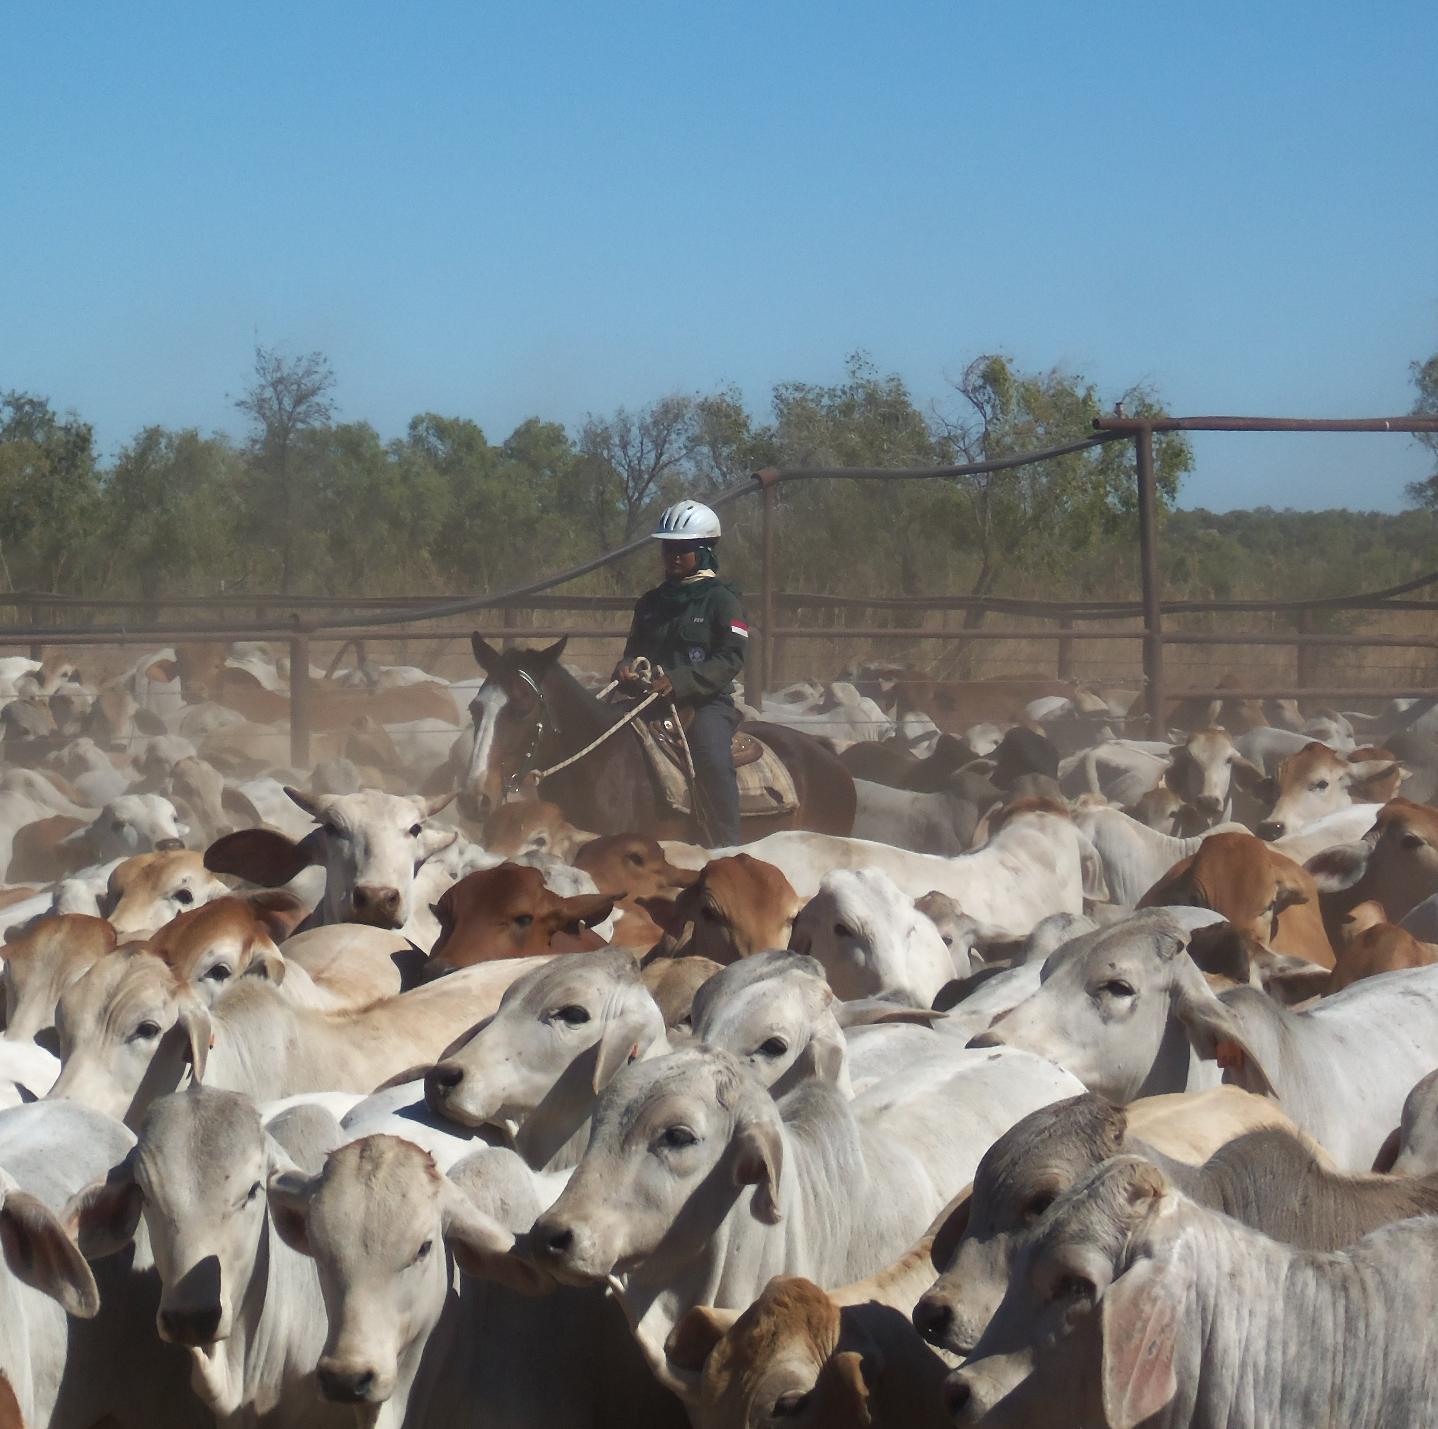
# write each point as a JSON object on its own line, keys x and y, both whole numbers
{"x": 416, "y": 830}
{"x": 678, "y": 1137}
{"x": 1073, "y": 1287}
{"x": 774, "y": 1047}
{"x": 523, "y": 920}
{"x": 1039, "y": 1204}
{"x": 146, "y": 1032}
{"x": 634, "y": 858}
{"x": 788, "y": 1406}
{"x": 1320, "y": 785}
{"x": 253, "y": 1193}
{"x": 219, "y": 973}
{"x": 574, "y": 1015}
{"x": 1412, "y": 841}
{"x": 841, "y": 930}
{"x": 1117, "y": 987}
{"x": 183, "y": 895}
{"x": 423, "y": 1252}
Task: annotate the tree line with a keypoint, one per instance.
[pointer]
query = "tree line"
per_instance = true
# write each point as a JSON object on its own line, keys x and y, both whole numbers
{"x": 306, "y": 503}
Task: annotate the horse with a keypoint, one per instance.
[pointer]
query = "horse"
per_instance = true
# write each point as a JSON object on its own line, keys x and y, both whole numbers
{"x": 531, "y": 713}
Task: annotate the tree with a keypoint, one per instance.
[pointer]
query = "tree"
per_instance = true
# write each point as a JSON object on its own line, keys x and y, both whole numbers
{"x": 1425, "y": 378}
{"x": 170, "y": 513}
{"x": 633, "y": 462}
{"x": 49, "y": 493}
{"x": 289, "y": 398}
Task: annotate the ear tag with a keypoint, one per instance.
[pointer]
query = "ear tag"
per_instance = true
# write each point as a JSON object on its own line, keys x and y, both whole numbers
{"x": 1229, "y": 1056}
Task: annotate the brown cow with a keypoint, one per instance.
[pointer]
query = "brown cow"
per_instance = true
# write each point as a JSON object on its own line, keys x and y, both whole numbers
{"x": 737, "y": 906}
{"x": 634, "y": 868}
{"x": 148, "y": 889}
{"x": 1318, "y": 781}
{"x": 1379, "y": 948}
{"x": 507, "y": 912}
{"x": 42, "y": 962}
{"x": 1260, "y": 891}
{"x": 1394, "y": 865}
{"x": 844, "y": 1359}
{"x": 531, "y": 826}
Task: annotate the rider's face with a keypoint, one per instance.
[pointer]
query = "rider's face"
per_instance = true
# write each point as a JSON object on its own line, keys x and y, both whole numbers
{"x": 679, "y": 559}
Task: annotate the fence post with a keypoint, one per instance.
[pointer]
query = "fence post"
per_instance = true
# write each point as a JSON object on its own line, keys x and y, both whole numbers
{"x": 1066, "y": 650}
{"x": 1152, "y": 594}
{"x": 37, "y": 650}
{"x": 300, "y": 693}
{"x": 1307, "y": 654}
{"x": 768, "y": 663}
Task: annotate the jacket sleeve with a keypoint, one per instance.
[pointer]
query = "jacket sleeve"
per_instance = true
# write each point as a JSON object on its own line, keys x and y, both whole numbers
{"x": 632, "y": 646}
{"x": 715, "y": 675}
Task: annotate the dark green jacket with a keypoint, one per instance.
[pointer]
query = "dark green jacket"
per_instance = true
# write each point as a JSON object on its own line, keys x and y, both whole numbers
{"x": 694, "y": 632}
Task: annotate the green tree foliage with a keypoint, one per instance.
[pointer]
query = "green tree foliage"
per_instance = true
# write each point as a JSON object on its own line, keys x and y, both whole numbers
{"x": 1425, "y": 378}
{"x": 310, "y": 504}
{"x": 49, "y": 494}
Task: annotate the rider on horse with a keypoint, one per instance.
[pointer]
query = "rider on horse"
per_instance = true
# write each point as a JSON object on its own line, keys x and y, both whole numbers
{"x": 693, "y": 627}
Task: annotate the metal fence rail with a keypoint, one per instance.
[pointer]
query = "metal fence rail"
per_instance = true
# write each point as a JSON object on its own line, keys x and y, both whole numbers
{"x": 345, "y": 620}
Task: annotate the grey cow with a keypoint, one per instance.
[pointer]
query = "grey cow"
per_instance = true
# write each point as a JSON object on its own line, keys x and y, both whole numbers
{"x": 1136, "y": 1306}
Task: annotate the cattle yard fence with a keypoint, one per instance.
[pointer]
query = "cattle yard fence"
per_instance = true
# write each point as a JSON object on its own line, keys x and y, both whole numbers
{"x": 783, "y": 617}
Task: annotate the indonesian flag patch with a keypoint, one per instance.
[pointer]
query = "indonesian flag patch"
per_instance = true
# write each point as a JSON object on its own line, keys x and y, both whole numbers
{"x": 737, "y": 627}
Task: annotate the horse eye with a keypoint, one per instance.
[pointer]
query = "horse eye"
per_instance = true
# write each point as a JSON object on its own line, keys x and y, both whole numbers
{"x": 774, "y": 1047}
{"x": 183, "y": 895}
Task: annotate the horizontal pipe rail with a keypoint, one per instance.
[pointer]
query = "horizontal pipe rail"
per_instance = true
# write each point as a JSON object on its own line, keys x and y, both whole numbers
{"x": 1129, "y": 425}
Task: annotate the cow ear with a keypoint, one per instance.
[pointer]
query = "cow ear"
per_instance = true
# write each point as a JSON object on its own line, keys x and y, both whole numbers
{"x": 871, "y": 1011}
{"x": 194, "y": 1021}
{"x": 951, "y": 1229}
{"x": 440, "y": 801}
{"x": 241, "y": 808}
{"x": 260, "y": 856}
{"x": 1161, "y": 895}
{"x": 584, "y": 910}
{"x": 692, "y": 1340}
{"x": 38, "y": 1251}
{"x": 1339, "y": 867}
{"x": 1388, "y": 1153}
{"x": 315, "y": 805}
{"x": 266, "y": 963}
{"x": 278, "y": 911}
{"x": 484, "y": 1249}
{"x": 161, "y": 671}
{"x": 1248, "y": 776}
{"x": 289, "y": 1194}
{"x": 1140, "y": 1333}
{"x": 485, "y": 655}
{"x": 1213, "y": 1031}
{"x": 760, "y": 1164}
{"x": 1373, "y": 781}
{"x": 623, "y": 1040}
{"x": 824, "y": 1058}
{"x": 103, "y": 1216}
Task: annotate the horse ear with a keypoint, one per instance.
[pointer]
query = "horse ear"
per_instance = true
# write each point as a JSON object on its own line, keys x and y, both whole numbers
{"x": 485, "y": 654}
{"x": 551, "y": 653}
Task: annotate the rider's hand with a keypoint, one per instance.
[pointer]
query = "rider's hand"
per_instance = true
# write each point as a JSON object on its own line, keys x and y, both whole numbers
{"x": 662, "y": 687}
{"x": 624, "y": 672}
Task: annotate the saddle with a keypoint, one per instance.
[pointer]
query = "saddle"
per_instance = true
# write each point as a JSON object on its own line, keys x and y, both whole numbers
{"x": 765, "y": 785}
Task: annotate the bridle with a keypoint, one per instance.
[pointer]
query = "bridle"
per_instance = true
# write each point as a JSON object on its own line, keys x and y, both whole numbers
{"x": 543, "y": 721}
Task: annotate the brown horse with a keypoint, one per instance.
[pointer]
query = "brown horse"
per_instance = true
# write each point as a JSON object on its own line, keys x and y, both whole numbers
{"x": 530, "y": 713}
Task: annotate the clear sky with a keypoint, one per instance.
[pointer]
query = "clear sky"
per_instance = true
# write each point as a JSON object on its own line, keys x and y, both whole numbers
{"x": 501, "y": 209}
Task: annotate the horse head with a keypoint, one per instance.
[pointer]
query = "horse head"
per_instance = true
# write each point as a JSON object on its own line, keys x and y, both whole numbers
{"x": 511, "y": 717}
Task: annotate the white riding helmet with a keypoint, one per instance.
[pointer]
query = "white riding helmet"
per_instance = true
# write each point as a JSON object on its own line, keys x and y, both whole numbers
{"x": 687, "y": 521}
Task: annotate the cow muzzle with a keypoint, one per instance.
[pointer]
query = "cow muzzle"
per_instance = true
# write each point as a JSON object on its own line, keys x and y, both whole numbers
{"x": 376, "y": 905}
{"x": 344, "y": 1383}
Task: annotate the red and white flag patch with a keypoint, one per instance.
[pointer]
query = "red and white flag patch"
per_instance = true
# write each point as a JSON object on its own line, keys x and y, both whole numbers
{"x": 737, "y": 627}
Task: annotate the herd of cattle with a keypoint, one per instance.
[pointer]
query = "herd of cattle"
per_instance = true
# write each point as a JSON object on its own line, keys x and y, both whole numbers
{"x": 1093, "y": 1081}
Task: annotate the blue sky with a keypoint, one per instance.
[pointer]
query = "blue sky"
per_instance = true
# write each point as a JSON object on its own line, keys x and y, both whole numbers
{"x": 499, "y": 210}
